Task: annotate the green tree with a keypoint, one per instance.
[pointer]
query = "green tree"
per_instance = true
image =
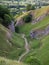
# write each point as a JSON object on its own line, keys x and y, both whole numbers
{"x": 7, "y": 20}
{"x": 33, "y": 7}
{"x": 27, "y": 18}
{"x": 30, "y": 7}
{"x": 5, "y": 16}
{"x": 16, "y": 29}
{"x": 4, "y": 10}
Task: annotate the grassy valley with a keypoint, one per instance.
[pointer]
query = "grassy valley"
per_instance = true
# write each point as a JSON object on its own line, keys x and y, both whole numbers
{"x": 39, "y": 47}
{"x": 19, "y": 48}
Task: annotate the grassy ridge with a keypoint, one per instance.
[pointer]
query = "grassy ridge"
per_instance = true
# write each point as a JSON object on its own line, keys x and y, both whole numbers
{"x": 41, "y": 11}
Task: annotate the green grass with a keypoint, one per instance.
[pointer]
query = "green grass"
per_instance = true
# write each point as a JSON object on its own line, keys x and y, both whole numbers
{"x": 17, "y": 40}
{"x": 41, "y": 53}
{"x": 34, "y": 43}
{"x": 17, "y": 44}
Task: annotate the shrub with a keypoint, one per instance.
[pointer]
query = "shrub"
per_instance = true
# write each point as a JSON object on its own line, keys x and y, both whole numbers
{"x": 3, "y": 11}
{"x": 33, "y": 7}
{"x": 5, "y": 16}
{"x": 7, "y": 20}
{"x": 30, "y": 7}
{"x": 27, "y": 18}
{"x": 33, "y": 61}
{"x": 16, "y": 29}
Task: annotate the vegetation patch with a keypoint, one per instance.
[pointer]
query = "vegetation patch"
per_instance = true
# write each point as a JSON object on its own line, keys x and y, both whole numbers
{"x": 27, "y": 18}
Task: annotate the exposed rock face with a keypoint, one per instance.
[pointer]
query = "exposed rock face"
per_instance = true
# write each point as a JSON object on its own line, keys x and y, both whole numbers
{"x": 19, "y": 22}
{"x": 39, "y": 33}
{"x": 11, "y": 27}
{"x": 39, "y": 18}
{"x": 47, "y": 30}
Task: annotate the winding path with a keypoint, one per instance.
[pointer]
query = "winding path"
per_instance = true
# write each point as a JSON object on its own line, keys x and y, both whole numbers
{"x": 26, "y": 47}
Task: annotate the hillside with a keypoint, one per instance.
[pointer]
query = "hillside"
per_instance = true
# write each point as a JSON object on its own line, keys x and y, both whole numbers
{"x": 4, "y": 61}
{"x": 40, "y": 54}
{"x": 31, "y": 44}
{"x": 10, "y": 44}
{"x": 37, "y": 12}
{"x": 27, "y": 27}
{"x": 38, "y": 45}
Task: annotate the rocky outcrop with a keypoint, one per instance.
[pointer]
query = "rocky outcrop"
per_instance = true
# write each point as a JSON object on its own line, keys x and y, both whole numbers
{"x": 39, "y": 18}
{"x": 19, "y": 22}
{"x": 39, "y": 33}
{"x": 12, "y": 27}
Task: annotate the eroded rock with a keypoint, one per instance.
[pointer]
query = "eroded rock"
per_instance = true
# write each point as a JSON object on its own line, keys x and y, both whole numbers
{"x": 12, "y": 27}
{"x": 39, "y": 33}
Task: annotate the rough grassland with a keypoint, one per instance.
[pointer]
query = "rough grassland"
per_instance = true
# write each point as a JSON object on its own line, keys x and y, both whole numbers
{"x": 39, "y": 48}
{"x": 4, "y": 61}
{"x": 10, "y": 49}
{"x": 41, "y": 54}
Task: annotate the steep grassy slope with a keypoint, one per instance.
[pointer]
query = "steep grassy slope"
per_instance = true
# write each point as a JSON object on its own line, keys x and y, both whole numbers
{"x": 4, "y": 61}
{"x": 41, "y": 11}
{"x": 26, "y": 28}
{"x": 12, "y": 48}
{"x": 41, "y": 54}
{"x": 39, "y": 49}
{"x": 37, "y": 12}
